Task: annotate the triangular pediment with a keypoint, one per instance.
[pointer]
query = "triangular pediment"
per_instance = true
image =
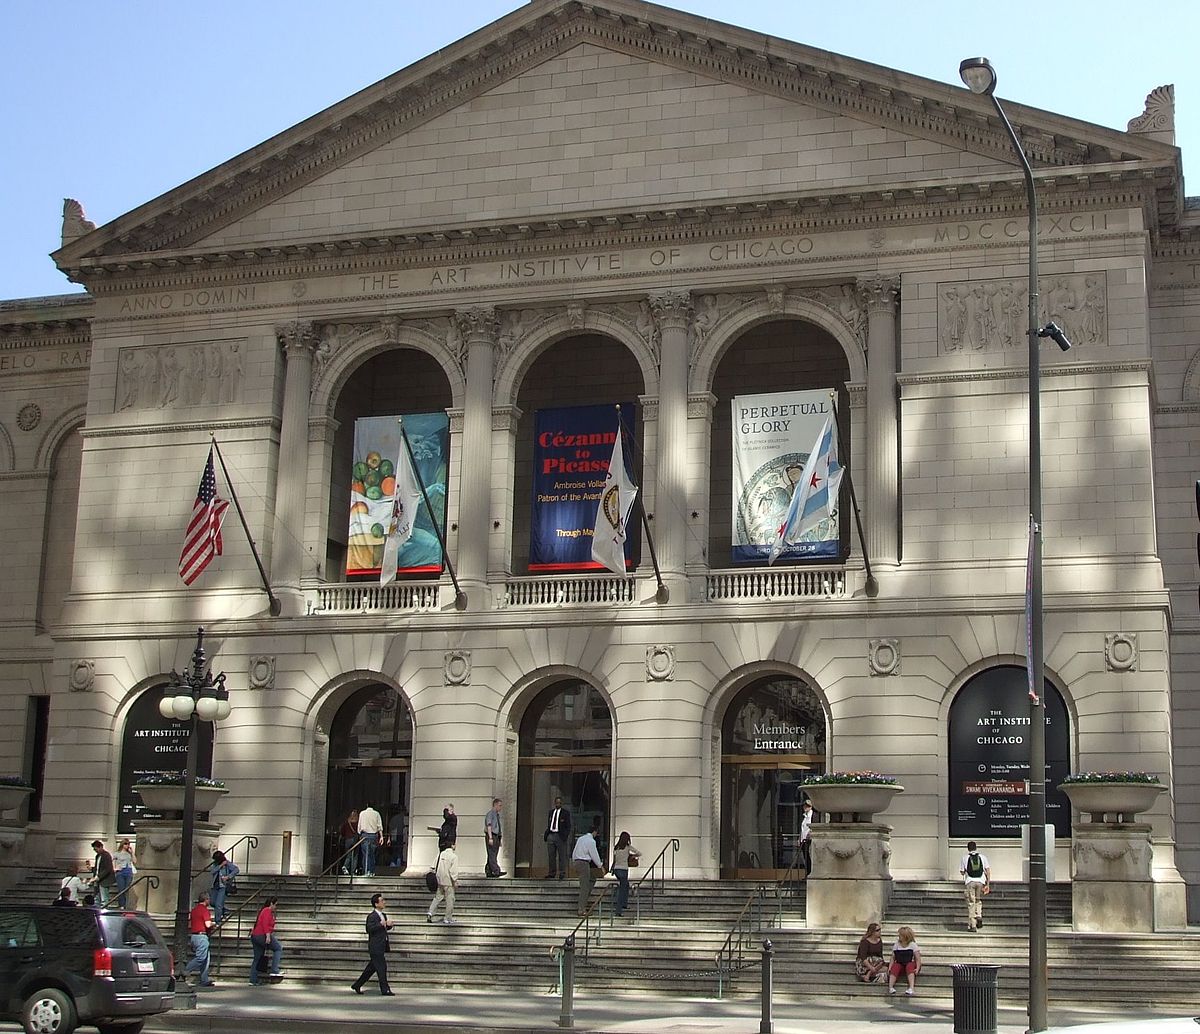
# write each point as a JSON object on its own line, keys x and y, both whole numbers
{"x": 566, "y": 107}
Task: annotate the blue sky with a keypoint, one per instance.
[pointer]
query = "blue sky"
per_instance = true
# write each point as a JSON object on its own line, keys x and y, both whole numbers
{"x": 115, "y": 103}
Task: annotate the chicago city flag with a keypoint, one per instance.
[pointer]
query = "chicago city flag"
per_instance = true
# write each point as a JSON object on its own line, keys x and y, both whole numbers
{"x": 202, "y": 540}
{"x": 405, "y": 500}
{"x": 616, "y": 501}
{"x": 816, "y": 494}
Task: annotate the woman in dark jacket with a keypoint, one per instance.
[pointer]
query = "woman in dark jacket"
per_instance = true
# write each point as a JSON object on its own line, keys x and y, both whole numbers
{"x": 448, "y": 833}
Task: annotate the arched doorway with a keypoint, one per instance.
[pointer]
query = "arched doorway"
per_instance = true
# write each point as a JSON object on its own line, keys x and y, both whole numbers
{"x": 370, "y": 752}
{"x": 773, "y": 736}
{"x": 565, "y": 750}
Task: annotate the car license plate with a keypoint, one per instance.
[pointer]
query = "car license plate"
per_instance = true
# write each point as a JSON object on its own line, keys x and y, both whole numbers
{"x": 145, "y": 965}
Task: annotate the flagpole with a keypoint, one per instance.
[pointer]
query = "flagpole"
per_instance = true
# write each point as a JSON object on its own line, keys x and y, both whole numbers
{"x": 275, "y": 606}
{"x": 460, "y": 597}
{"x": 872, "y": 586}
{"x": 663, "y": 594}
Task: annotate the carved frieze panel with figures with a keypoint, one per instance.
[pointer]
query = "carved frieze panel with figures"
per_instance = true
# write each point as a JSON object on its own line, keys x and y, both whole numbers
{"x": 177, "y": 376}
{"x": 993, "y": 315}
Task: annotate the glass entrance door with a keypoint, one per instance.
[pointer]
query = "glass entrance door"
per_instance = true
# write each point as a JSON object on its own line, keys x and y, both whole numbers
{"x": 761, "y": 803}
{"x": 584, "y": 786}
{"x": 382, "y": 782}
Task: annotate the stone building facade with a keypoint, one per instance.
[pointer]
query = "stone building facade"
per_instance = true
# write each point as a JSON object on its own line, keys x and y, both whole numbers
{"x": 585, "y": 203}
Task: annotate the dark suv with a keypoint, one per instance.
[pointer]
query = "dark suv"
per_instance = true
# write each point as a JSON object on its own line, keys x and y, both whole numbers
{"x": 60, "y": 967}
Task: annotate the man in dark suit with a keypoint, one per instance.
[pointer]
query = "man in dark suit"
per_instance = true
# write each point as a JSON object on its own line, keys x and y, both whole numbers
{"x": 378, "y": 925}
{"x": 558, "y": 839}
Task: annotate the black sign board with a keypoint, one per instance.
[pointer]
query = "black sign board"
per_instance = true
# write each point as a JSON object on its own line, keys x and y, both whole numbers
{"x": 989, "y": 756}
{"x": 154, "y": 745}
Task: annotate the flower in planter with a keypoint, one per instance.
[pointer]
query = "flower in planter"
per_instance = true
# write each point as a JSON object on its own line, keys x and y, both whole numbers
{"x": 20, "y": 782}
{"x": 177, "y": 779}
{"x": 1076, "y": 778}
{"x": 851, "y": 779}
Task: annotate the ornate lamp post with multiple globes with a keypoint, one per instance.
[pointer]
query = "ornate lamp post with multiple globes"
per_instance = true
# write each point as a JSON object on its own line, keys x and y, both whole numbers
{"x": 195, "y": 696}
{"x": 980, "y": 78}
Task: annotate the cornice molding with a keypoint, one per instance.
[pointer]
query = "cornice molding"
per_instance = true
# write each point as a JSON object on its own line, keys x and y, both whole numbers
{"x": 413, "y": 96}
{"x": 1021, "y": 373}
{"x": 132, "y": 430}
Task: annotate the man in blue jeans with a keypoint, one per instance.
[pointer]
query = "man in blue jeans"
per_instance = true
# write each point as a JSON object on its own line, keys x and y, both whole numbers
{"x": 370, "y": 830}
{"x": 200, "y": 925}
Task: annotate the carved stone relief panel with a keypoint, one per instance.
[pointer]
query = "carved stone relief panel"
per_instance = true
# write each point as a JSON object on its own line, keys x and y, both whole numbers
{"x": 180, "y": 376}
{"x": 708, "y": 310}
{"x": 847, "y": 303}
{"x": 993, "y": 315}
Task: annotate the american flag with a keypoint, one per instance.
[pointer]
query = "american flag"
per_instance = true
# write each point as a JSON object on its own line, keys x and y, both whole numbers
{"x": 202, "y": 541}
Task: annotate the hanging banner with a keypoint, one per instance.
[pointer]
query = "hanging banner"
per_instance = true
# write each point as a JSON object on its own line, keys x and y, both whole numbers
{"x": 772, "y": 437}
{"x": 571, "y": 450}
{"x": 376, "y": 445}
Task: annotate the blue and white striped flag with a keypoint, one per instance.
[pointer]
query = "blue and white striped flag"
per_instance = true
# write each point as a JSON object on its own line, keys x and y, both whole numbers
{"x": 815, "y": 497}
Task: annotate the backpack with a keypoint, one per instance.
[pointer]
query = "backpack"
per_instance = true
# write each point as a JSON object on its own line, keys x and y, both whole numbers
{"x": 974, "y": 866}
{"x": 431, "y": 882}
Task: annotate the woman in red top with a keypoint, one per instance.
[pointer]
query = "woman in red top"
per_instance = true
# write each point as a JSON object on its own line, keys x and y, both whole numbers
{"x": 262, "y": 937}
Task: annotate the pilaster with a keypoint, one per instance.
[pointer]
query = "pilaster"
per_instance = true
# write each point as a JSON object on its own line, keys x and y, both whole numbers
{"x": 299, "y": 343}
{"x": 882, "y": 460}
{"x": 478, "y": 327}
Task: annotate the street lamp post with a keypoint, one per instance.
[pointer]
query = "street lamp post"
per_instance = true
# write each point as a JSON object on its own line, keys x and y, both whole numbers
{"x": 980, "y": 78}
{"x": 195, "y": 696}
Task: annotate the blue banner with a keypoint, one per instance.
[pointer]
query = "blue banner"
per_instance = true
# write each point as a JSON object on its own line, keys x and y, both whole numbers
{"x": 571, "y": 450}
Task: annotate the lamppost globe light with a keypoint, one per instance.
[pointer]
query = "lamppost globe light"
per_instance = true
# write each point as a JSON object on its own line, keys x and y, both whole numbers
{"x": 978, "y": 74}
{"x": 184, "y": 705}
{"x": 206, "y": 708}
{"x": 223, "y": 710}
{"x": 166, "y": 707}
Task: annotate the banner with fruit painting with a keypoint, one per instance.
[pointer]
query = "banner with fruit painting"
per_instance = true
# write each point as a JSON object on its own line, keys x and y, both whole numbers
{"x": 376, "y": 445}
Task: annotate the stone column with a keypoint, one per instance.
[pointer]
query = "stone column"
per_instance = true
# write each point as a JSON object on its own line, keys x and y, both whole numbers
{"x": 700, "y": 418}
{"x": 478, "y": 328}
{"x": 299, "y": 342}
{"x": 506, "y": 420}
{"x": 882, "y": 461}
{"x": 672, "y": 317}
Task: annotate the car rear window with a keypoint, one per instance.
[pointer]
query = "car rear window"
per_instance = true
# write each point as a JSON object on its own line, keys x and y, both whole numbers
{"x": 124, "y": 931}
{"x": 18, "y": 930}
{"x": 68, "y": 927}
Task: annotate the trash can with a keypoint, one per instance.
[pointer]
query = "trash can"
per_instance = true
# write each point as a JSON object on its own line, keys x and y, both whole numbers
{"x": 975, "y": 999}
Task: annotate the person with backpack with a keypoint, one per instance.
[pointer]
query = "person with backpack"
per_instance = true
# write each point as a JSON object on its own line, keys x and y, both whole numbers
{"x": 223, "y": 872}
{"x": 976, "y": 872}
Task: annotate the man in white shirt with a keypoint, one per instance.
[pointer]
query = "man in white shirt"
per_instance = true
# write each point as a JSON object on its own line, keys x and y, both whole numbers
{"x": 976, "y": 872}
{"x": 370, "y": 830}
{"x": 585, "y": 856}
{"x": 446, "y": 872}
{"x": 806, "y": 836}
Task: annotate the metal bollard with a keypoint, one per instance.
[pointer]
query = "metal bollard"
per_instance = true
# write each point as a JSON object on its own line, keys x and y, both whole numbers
{"x": 566, "y": 1017}
{"x": 766, "y": 1026}
{"x": 285, "y": 860}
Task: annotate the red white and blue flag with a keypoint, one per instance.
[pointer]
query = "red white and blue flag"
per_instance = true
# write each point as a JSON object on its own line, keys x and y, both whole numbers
{"x": 202, "y": 541}
{"x": 815, "y": 497}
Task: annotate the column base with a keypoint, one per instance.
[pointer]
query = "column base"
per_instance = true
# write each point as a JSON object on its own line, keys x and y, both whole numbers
{"x": 846, "y": 903}
{"x": 1109, "y": 906}
{"x": 851, "y": 883}
{"x": 12, "y": 854}
{"x": 158, "y": 845}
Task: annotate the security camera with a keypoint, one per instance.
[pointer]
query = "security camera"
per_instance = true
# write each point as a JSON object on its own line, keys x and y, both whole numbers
{"x": 1053, "y": 331}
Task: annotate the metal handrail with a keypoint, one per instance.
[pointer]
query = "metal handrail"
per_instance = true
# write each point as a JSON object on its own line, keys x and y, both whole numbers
{"x": 748, "y": 924}
{"x": 314, "y": 882}
{"x": 787, "y": 886}
{"x": 149, "y": 879}
{"x": 656, "y": 876}
{"x": 251, "y": 845}
{"x": 217, "y": 936}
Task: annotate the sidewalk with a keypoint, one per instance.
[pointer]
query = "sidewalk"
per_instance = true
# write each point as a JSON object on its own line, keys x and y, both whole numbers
{"x": 304, "y": 1009}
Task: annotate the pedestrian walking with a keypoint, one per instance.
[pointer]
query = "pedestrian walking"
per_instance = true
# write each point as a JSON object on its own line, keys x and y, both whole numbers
{"x": 806, "y": 836}
{"x": 263, "y": 937}
{"x": 126, "y": 866}
{"x": 446, "y": 872}
{"x": 586, "y": 855}
{"x": 349, "y": 837}
{"x": 976, "y": 872}
{"x": 103, "y": 872}
{"x": 397, "y": 838}
{"x": 624, "y": 855}
{"x": 200, "y": 926}
{"x": 223, "y": 871}
{"x": 378, "y": 945}
{"x": 557, "y": 837}
{"x": 448, "y": 831}
{"x": 492, "y": 835}
{"x": 370, "y": 831}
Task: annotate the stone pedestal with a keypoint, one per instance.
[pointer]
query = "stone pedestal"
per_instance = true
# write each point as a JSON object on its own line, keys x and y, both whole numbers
{"x": 158, "y": 845}
{"x": 851, "y": 881}
{"x": 1113, "y": 887}
{"x": 12, "y": 854}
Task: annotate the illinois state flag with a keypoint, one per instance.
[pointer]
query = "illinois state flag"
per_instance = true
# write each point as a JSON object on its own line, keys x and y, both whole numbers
{"x": 816, "y": 494}
{"x": 616, "y": 501}
{"x": 405, "y": 499}
{"x": 202, "y": 540}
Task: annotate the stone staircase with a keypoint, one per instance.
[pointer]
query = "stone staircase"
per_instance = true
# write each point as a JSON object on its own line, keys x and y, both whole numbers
{"x": 508, "y": 928}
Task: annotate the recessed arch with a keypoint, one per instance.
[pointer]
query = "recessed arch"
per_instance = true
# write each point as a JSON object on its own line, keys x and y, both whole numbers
{"x": 1191, "y": 379}
{"x": 52, "y": 437}
{"x": 793, "y": 306}
{"x": 8, "y": 455}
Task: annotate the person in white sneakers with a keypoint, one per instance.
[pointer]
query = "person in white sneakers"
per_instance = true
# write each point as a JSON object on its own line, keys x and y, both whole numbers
{"x": 906, "y": 960}
{"x": 446, "y": 872}
{"x": 977, "y": 881}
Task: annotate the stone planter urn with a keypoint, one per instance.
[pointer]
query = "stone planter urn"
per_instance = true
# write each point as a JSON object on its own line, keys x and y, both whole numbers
{"x": 1121, "y": 801}
{"x": 167, "y": 798}
{"x": 851, "y": 802}
{"x": 11, "y": 799}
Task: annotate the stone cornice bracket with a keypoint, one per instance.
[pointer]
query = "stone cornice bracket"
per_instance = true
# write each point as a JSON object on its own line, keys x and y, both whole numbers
{"x": 298, "y": 336}
{"x": 879, "y": 292}
{"x": 777, "y": 299}
{"x": 576, "y": 315}
{"x": 1158, "y": 119}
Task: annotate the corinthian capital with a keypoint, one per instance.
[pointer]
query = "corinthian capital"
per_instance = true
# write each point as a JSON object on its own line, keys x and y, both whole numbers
{"x": 672, "y": 309}
{"x": 299, "y": 337}
{"x": 481, "y": 323}
{"x": 879, "y": 291}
